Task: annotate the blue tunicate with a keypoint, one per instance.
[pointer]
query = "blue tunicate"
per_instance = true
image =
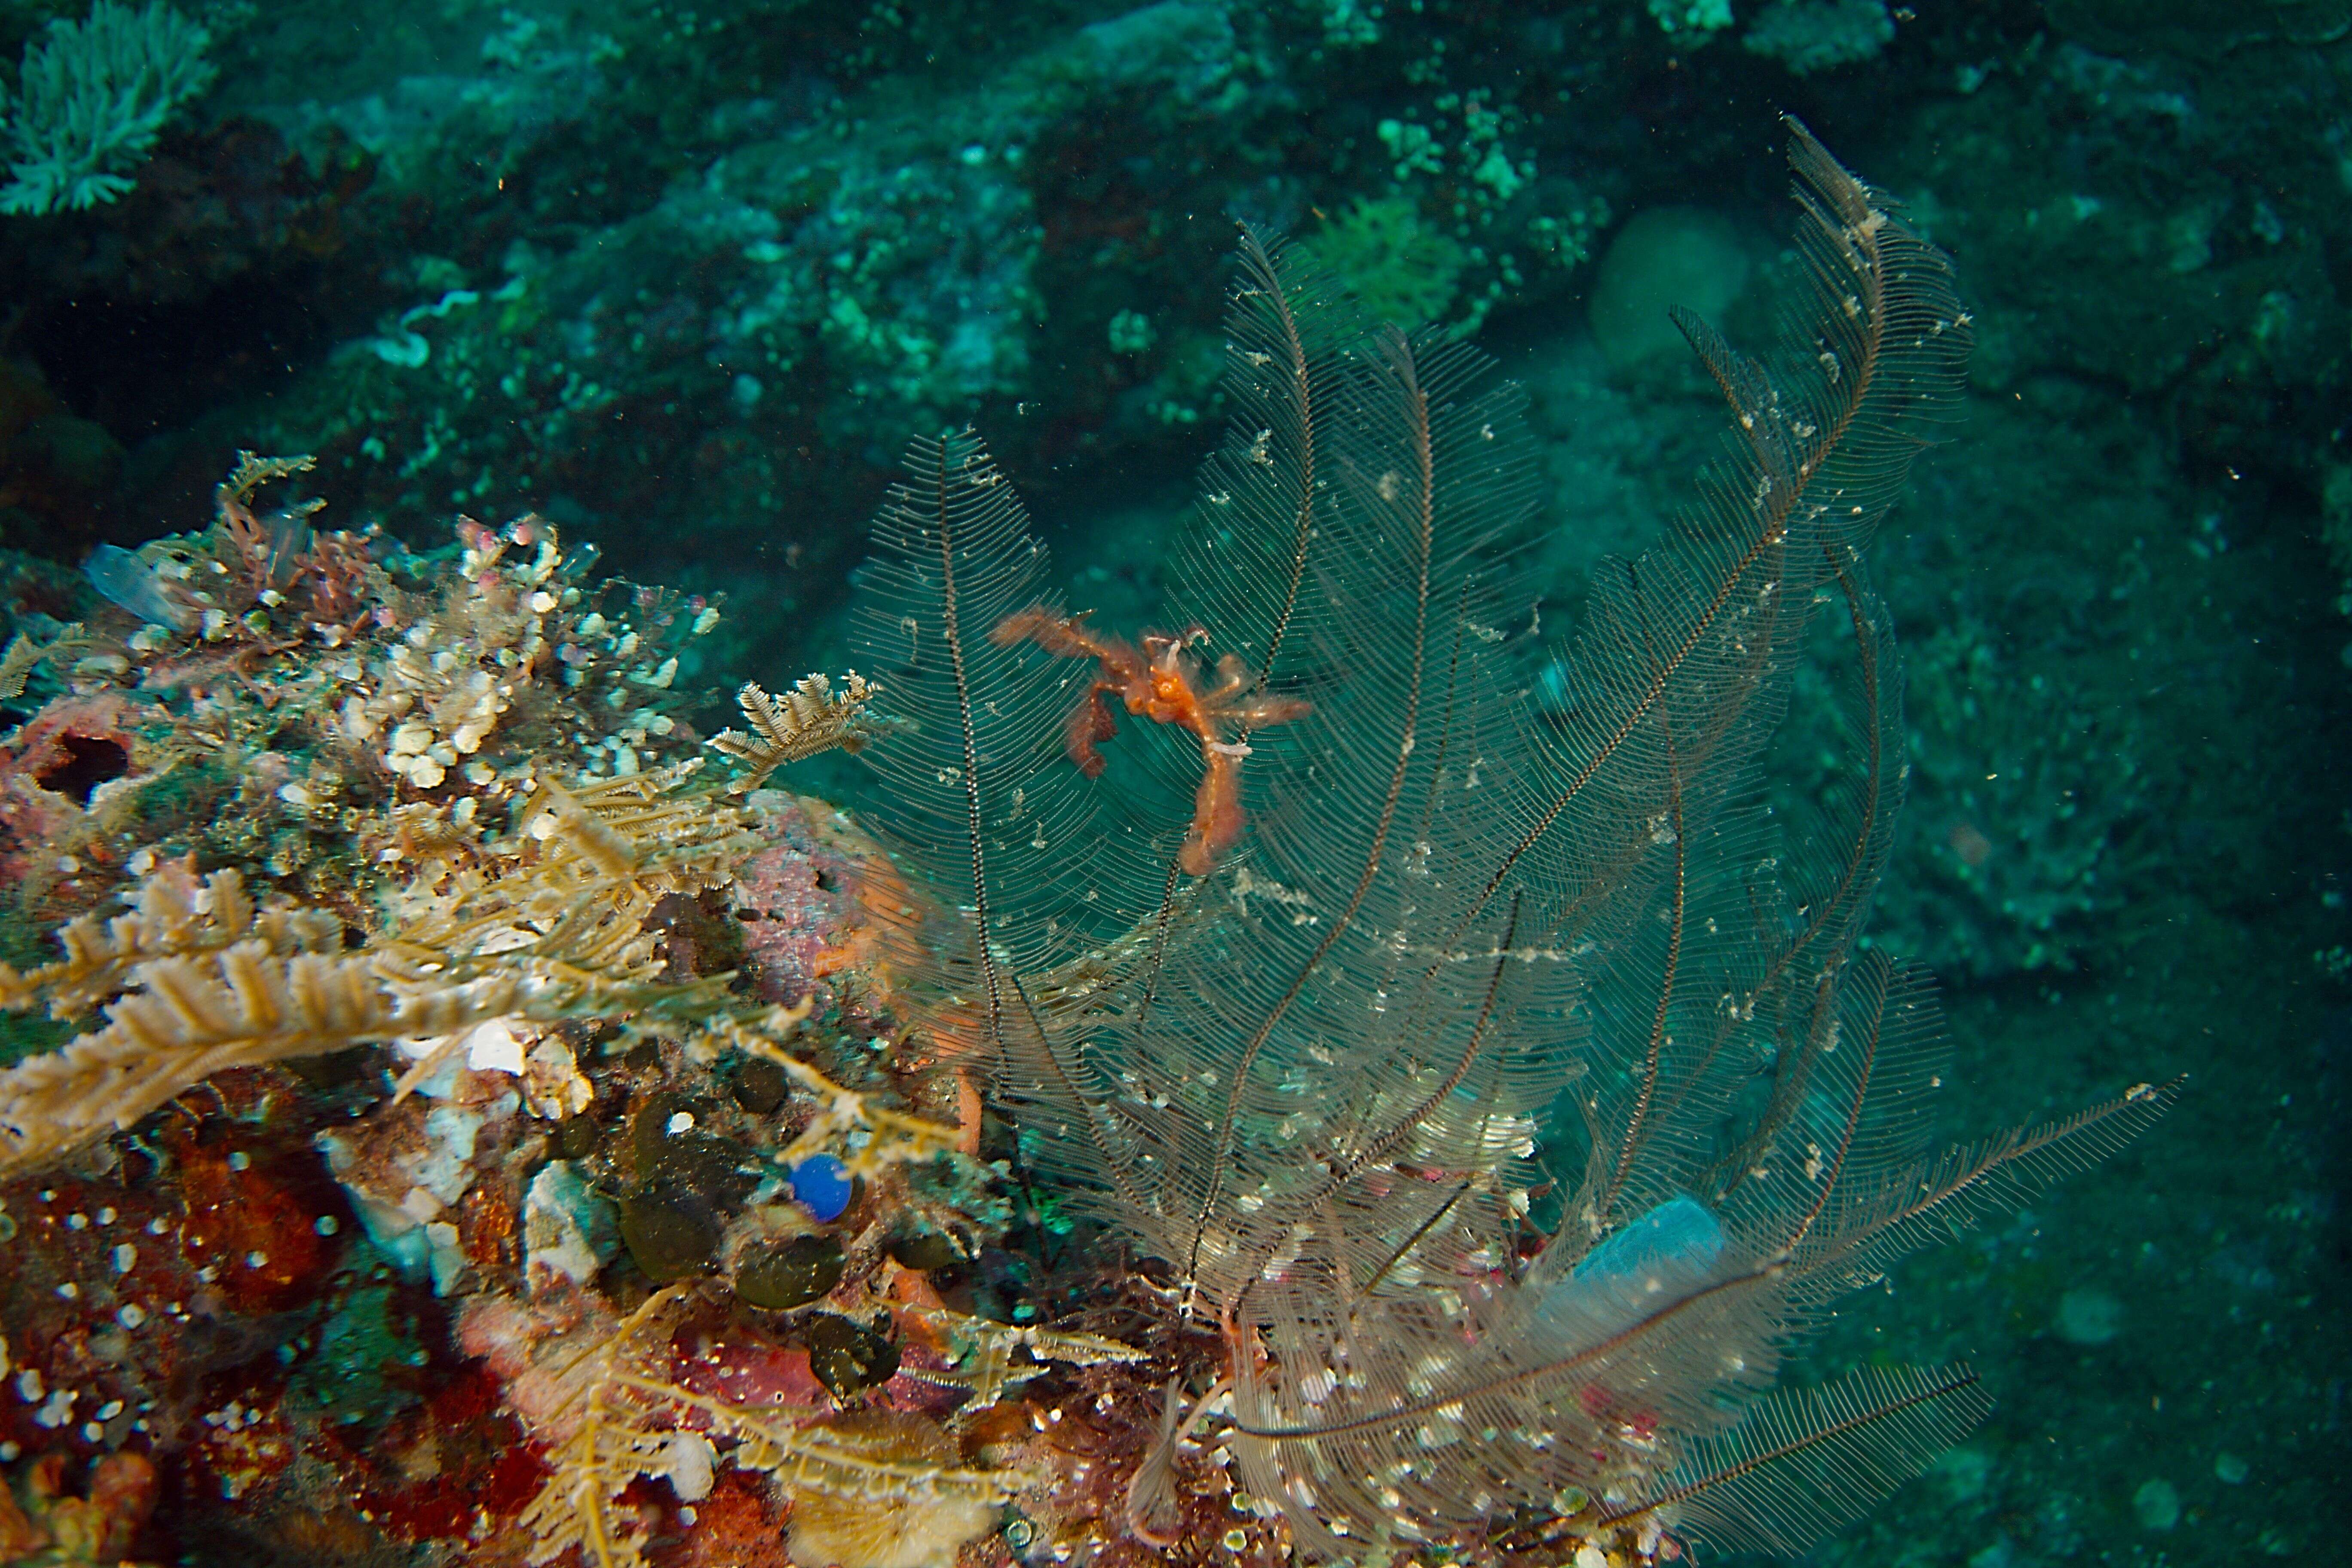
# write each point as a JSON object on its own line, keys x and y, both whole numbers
{"x": 125, "y": 580}
{"x": 1680, "y": 1232}
{"x": 1659, "y": 1258}
{"x": 821, "y": 1185}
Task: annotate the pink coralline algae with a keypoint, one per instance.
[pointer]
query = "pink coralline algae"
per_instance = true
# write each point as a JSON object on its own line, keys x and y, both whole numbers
{"x": 50, "y": 769}
{"x": 799, "y": 898}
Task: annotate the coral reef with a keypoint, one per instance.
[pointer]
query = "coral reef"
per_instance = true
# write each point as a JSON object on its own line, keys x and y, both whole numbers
{"x": 679, "y": 280}
{"x": 494, "y": 1128}
{"x": 743, "y": 236}
{"x": 1808, "y": 36}
{"x": 316, "y": 704}
{"x": 217, "y": 732}
{"x": 500, "y": 881}
{"x": 579, "y": 1068}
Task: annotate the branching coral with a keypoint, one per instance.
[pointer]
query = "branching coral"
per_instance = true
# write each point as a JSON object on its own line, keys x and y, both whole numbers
{"x": 92, "y": 101}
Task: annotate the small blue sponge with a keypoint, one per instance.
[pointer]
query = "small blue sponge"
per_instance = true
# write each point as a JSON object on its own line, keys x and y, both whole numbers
{"x": 822, "y": 1185}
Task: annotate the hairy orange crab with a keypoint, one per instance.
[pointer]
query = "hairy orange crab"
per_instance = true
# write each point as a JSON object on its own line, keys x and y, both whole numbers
{"x": 1163, "y": 683}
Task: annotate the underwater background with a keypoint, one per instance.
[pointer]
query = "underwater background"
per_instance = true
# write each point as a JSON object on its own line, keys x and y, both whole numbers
{"x": 682, "y": 281}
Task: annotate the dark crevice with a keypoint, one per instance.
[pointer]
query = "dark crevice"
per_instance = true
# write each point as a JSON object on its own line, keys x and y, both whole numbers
{"x": 90, "y": 760}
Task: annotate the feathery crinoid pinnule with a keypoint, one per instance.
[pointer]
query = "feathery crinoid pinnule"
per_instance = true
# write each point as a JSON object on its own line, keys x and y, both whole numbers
{"x": 1306, "y": 1075}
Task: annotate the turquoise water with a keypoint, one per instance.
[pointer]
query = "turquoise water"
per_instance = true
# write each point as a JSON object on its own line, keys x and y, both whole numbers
{"x": 684, "y": 282}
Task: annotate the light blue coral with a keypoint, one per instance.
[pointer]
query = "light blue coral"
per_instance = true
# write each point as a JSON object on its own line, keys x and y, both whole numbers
{"x": 91, "y": 99}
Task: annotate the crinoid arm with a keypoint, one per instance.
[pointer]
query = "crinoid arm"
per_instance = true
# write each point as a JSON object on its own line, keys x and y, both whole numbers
{"x": 1312, "y": 1047}
{"x": 1802, "y": 1462}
